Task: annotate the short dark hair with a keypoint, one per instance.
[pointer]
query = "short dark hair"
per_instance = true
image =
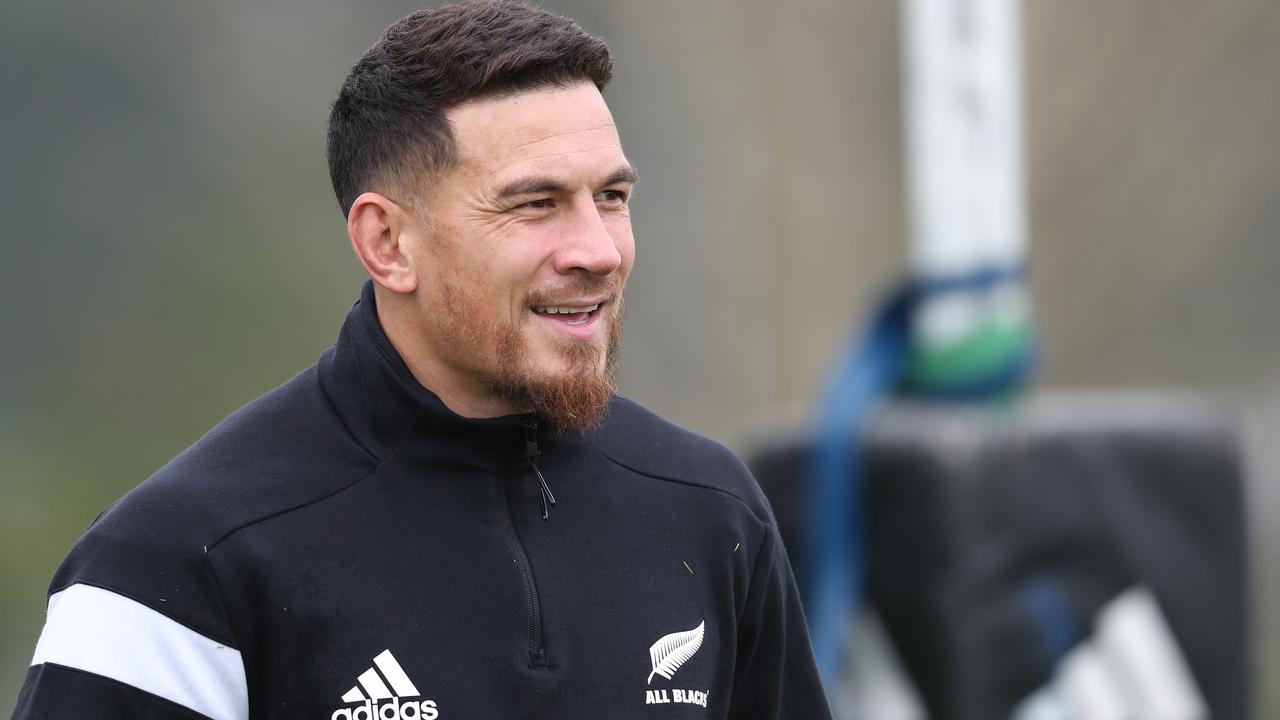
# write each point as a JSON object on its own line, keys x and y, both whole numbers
{"x": 388, "y": 124}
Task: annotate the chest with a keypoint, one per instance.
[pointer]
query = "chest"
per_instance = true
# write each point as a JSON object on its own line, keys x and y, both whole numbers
{"x": 422, "y": 600}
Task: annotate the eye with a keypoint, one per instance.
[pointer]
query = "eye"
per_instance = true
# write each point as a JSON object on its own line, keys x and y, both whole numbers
{"x": 612, "y": 197}
{"x": 539, "y": 204}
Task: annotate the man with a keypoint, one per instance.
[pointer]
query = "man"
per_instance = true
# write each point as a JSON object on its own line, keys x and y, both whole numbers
{"x": 451, "y": 515}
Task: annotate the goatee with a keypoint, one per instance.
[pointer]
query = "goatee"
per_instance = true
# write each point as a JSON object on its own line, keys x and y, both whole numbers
{"x": 575, "y": 399}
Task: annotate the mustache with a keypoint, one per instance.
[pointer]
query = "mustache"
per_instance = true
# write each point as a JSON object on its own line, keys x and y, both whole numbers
{"x": 609, "y": 287}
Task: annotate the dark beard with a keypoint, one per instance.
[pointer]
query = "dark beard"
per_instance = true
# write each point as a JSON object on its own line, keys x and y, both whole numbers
{"x": 574, "y": 400}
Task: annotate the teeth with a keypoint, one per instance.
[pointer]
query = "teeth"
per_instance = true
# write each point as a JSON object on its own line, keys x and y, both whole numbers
{"x": 557, "y": 310}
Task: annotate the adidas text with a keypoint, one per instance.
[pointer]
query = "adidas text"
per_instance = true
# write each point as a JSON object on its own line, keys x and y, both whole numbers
{"x": 391, "y": 709}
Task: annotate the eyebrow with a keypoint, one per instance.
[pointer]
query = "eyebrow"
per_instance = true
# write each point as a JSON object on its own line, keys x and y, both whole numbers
{"x": 540, "y": 185}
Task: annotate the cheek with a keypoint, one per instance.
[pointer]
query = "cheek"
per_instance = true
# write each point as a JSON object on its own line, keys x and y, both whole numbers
{"x": 506, "y": 291}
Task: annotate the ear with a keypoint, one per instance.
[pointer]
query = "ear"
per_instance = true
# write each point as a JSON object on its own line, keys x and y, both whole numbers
{"x": 376, "y": 226}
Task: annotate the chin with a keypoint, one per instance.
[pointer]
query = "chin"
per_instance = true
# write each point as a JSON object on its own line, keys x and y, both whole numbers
{"x": 570, "y": 386}
{"x": 550, "y": 357}
{"x": 584, "y": 362}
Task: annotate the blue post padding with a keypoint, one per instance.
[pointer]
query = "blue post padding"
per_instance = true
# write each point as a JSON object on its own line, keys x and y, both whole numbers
{"x": 834, "y": 553}
{"x": 867, "y": 371}
{"x": 1047, "y": 607}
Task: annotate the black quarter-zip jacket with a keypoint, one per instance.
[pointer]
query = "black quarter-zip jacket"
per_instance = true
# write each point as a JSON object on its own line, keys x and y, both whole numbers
{"x": 347, "y": 547}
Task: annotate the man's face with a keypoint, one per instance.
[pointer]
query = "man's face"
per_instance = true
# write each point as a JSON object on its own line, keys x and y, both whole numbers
{"x": 525, "y": 247}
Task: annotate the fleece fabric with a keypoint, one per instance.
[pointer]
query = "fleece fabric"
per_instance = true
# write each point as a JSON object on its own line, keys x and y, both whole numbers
{"x": 347, "y": 547}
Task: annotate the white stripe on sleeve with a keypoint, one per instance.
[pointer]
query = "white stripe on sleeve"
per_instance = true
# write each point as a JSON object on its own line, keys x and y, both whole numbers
{"x": 108, "y": 634}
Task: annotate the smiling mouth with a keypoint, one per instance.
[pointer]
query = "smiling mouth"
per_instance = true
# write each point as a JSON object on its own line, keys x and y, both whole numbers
{"x": 570, "y": 315}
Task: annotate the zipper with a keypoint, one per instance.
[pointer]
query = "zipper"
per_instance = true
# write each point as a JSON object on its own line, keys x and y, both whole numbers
{"x": 531, "y": 454}
{"x": 537, "y": 655}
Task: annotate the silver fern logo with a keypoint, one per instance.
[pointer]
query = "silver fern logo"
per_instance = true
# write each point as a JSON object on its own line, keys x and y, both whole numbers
{"x": 674, "y": 650}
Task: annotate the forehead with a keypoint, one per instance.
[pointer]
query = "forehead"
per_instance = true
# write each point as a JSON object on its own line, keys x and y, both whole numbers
{"x": 544, "y": 130}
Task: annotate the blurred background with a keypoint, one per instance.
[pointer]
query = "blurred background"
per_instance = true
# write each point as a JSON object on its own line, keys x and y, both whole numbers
{"x": 172, "y": 248}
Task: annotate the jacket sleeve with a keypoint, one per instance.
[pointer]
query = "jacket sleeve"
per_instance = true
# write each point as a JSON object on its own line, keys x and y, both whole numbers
{"x": 775, "y": 675}
{"x": 104, "y": 655}
{"x": 135, "y": 625}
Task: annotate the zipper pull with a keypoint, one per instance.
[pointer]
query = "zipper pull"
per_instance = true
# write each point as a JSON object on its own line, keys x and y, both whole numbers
{"x": 530, "y": 453}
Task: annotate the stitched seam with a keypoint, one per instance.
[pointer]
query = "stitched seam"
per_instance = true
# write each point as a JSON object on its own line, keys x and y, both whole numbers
{"x": 761, "y": 556}
{"x": 222, "y": 605}
{"x": 682, "y": 481}
{"x": 412, "y": 424}
{"x": 333, "y": 407}
{"x": 754, "y": 588}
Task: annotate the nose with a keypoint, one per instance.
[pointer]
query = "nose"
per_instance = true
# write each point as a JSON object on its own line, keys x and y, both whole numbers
{"x": 587, "y": 245}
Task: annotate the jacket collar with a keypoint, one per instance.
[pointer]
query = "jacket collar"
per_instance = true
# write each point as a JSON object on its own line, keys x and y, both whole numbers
{"x": 378, "y": 398}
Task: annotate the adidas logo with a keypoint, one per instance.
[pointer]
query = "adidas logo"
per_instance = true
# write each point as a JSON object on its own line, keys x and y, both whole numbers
{"x": 380, "y": 702}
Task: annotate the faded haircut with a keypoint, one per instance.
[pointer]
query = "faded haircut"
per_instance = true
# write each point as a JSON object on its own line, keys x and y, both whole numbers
{"x": 388, "y": 129}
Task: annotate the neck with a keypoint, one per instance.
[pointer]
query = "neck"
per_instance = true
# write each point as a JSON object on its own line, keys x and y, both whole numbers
{"x": 466, "y": 397}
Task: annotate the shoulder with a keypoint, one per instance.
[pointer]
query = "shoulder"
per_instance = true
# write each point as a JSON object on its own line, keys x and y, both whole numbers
{"x": 287, "y": 447}
{"x": 637, "y": 438}
{"x": 281, "y": 451}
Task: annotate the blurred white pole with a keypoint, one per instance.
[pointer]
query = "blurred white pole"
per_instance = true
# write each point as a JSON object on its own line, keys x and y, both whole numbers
{"x": 1130, "y": 669}
{"x": 1142, "y": 654}
{"x": 964, "y": 138}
